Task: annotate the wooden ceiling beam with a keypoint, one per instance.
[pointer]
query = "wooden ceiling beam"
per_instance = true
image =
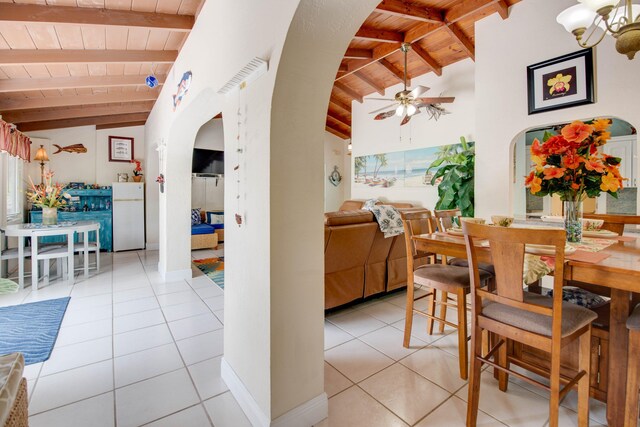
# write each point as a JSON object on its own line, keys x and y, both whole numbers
{"x": 121, "y": 125}
{"x": 343, "y": 68}
{"x": 42, "y": 14}
{"x": 72, "y": 56}
{"x": 348, "y": 91}
{"x": 467, "y": 45}
{"x": 409, "y": 11}
{"x": 79, "y": 112}
{"x": 338, "y": 103}
{"x": 8, "y": 104}
{"x": 427, "y": 59}
{"x": 394, "y": 70}
{"x": 370, "y": 82}
{"x": 353, "y": 53}
{"x": 85, "y": 121}
{"x": 503, "y": 9}
{"x": 466, "y": 8}
{"x": 345, "y": 121}
{"x": 384, "y": 36}
{"x": 22, "y": 85}
{"x": 336, "y": 132}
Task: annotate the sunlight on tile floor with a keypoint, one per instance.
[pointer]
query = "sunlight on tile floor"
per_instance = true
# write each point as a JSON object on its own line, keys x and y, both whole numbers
{"x": 134, "y": 350}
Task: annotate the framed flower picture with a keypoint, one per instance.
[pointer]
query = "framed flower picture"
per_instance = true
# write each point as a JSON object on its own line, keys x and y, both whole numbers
{"x": 562, "y": 82}
{"x": 120, "y": 149}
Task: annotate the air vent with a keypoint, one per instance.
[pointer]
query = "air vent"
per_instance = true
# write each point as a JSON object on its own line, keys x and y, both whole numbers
{"x": 250, "y": 72}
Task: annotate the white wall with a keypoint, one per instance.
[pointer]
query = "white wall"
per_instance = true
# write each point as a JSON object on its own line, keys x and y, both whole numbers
{"x": 211, "y": 136}
{"x": 503, "y": 51}
{"x": 335, "y": 153}
{"x": 92, "y": 167}
{"x": 384, "y": 136}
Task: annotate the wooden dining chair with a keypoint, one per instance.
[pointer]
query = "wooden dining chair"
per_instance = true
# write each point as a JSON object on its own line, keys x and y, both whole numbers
{"x": 633, "y": 369}
{"x": 444, "y": 220}
{"x": 546, "y": 323}
{"x": 615, "y": 223}
{"x": 442, "y": 278}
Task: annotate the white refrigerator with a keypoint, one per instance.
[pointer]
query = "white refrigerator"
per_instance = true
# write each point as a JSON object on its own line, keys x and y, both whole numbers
{"x": 128, "y": 216}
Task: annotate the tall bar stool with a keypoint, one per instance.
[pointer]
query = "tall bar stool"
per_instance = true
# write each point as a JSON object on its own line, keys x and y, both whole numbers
{"x": 633, "y": 369}
{"x": 513, "y": 314}
{"x": 437, "y": 277}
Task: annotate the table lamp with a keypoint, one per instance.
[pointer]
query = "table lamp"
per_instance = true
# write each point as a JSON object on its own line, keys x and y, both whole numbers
{"x": 41, "y": 155}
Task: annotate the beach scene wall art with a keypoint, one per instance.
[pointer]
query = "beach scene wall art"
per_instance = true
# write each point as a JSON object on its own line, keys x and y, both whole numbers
{"x": 409, "y": 168}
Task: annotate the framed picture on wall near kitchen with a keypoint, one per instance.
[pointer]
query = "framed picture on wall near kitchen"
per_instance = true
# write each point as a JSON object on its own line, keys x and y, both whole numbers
{"x": 562, "y": 82}
{"x": 120, "y": 149}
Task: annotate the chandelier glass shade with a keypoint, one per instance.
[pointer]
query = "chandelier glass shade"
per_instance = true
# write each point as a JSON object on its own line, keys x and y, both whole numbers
{"x": 591, "y": 20}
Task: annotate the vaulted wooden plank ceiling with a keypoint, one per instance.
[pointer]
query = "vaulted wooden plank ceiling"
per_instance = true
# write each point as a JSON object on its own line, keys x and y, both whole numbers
{"x": 441, "y": 32}
{"x": 70, "y": 63}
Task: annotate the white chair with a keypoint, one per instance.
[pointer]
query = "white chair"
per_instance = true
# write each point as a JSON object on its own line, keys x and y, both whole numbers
{"x": 10, "y": 253}
{"x": 47, "y": 253}
{"x": 86, "y": 245}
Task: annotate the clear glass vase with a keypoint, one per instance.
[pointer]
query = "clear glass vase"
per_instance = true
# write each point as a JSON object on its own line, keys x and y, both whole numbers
{"x": 573, "y": 219}
{"x": 49, "y": 216}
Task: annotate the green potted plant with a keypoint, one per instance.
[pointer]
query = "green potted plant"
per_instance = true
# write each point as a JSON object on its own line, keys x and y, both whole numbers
{"x": 455, "y": 173}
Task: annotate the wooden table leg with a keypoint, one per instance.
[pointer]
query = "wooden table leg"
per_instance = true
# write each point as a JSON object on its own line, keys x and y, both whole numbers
{"x": 618, "y": 342}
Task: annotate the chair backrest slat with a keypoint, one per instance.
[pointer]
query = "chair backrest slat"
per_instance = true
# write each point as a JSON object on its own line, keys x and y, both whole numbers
{"x": 507, "y": 247}
{"x": 615, "y": 223}
{"x": 444, "y": 219}
{"x": 415, "y": 223}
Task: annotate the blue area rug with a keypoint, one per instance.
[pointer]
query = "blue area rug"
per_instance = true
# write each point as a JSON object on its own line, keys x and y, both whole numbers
{"x": 32, "y": 328}
{"x": 213, "y": 268}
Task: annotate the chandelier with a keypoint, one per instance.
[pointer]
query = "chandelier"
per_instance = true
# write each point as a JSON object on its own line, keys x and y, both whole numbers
{"x": 619, "y": 18}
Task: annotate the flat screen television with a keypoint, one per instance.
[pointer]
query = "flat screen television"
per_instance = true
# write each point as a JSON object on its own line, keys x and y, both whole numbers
{"x": 207, "y": 161}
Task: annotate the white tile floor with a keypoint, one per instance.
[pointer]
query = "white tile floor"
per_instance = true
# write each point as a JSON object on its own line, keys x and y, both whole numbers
{"x": 133, "y": 351}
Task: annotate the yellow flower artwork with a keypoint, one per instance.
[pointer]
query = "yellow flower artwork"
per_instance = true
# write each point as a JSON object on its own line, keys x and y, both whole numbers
{"x": 559, "y": 84}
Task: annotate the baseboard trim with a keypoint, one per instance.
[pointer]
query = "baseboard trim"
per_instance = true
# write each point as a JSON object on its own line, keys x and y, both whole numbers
{"x": 153, "y": 246}
{"x": 172, "y": 276}
{"x": 308, "y": 414}
{"x": 245, "y": 399}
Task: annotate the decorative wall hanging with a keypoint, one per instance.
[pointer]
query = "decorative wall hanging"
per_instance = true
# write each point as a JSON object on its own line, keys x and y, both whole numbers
{"x": 183, "y": 88}
{"x": 562, "y": 82}
{"x": 75, "y": 148}
{"x": 334, "y": 177}
{"x": 120, "y": 149}
{"x": 410, "y": 168}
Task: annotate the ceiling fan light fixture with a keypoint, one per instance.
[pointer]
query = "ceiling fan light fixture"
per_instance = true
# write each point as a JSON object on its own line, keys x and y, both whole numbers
{"x": 400, "y": 110}
{"x": 411, "y": 110}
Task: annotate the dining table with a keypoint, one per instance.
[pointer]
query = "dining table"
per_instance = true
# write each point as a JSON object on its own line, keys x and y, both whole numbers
{"x": 619, "y": 271}
{"x": 34, "y": 231}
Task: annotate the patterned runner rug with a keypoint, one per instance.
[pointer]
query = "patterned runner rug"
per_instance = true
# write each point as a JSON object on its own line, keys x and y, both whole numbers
{"x": 213, "y": 268}
{"x": 32, "y": 328}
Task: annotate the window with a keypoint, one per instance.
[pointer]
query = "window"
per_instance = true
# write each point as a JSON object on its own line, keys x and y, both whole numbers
{"x": 14, "y": 187}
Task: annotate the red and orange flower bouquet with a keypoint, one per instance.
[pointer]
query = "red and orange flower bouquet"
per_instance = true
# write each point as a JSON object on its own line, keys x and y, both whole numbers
{"x": 571, "y": 165}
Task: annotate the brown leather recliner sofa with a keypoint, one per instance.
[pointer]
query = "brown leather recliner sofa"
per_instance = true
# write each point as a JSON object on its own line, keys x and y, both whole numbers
{"x": 359, "y": 261}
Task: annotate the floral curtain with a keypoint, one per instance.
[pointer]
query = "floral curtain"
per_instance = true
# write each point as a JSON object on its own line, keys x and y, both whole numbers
{"x": 14, "y": 142}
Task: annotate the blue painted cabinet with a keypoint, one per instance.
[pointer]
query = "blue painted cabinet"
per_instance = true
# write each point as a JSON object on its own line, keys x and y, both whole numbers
{"x": 99, "y": 200}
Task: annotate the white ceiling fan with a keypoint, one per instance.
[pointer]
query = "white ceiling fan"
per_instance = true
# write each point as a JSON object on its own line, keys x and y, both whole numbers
{"x": 409, "y": 102}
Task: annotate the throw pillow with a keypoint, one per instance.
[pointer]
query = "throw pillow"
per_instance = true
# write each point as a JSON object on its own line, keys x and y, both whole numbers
{"x": 215, "y": 217}
{"x": 579, "y": 296}
{"x": 195, "y": 216}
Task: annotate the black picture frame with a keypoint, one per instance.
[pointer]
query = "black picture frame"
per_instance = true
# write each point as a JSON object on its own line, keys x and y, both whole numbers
{"x": 120, "y": 149}
{"x": 579, "y": 65}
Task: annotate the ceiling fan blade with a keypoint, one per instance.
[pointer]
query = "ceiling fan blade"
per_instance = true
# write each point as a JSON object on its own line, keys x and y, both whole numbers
{"x": 418, "y": 90}
{"x": 381, "y": 99}
{"x": 405, "y": 120}
{"x": 437, "y": 100}
{"x": 385, "y": 115}
{"x": 383, "y": 108}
